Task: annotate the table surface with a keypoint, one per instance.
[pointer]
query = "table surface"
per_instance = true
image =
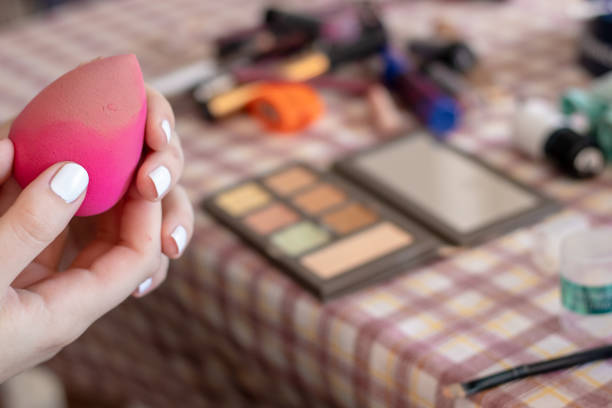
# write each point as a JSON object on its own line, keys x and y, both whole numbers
{"x": 394, "y": 344}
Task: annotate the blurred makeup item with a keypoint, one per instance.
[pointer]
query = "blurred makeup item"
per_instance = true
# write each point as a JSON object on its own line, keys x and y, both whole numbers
{"x": 547, "y": 238}
{"x": 341, "y": 28}
{"x": 447, "y": 61}
{"x": 232, "y": 43}
{"x": 303, "y": 68}
{"x": 271, "y": 218}
{"x": 243, "y": 42}
{"x": 385, "y": 113}
{"x": 244, "y": 199}
{"x": 450, "y": 61}
{"x": 350, "y": 86}
{"x": 454, "y": 84}
{"x": 290, "y": 181}
{"x": 286, "y": 106}
{"x": 306, "y": 67}
{"x": 217, "y": 84}
{"x": 349, "y": 218}
{"x": 540, "y": 131}
{"x": 285, "y": 32}
{"x": 365, "y": 220}
{"x": 184, "y": 78}
{"x": 456, "y": 55}
{"x": 368, "y": 44}
{"x": 322, "y": 230}
{"x": 586, "y": 283}
{"x": 281, "y": 46}
{"x": 439, "y": 112}
{"x": 332, "y": 56}
{"x": 466, "y": 389}
{"x": 227, "y": 103}
{"x": 319, "y": 199}
{"x": 451, "y": 193}
{"x": 595, "y": 44}
{"x": 265, "y": 45}
{"x": 282, "y": 22}
{"x": 594, "y": 104}
{"x": 584, "y": 102}
{"x": 446, "y": 78}
{"x": 444, "y": 29}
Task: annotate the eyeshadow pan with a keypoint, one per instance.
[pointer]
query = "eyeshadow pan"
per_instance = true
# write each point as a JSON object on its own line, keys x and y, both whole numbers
{"x": 299, "y": 238}
{"x": 350, "y": 218}
{"x": 289, "y": 181}
{"x": 242, "y": 199}
{"x": 320, "y": 198}
{"x": 271, "y": 218}
{"x": 357, "y": 250}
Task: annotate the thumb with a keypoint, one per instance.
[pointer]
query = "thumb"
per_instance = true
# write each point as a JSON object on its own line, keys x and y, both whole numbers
{"x": 38, "y": 216}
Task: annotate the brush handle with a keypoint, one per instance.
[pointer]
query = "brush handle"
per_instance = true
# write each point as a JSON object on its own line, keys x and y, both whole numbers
{"x": 540, "y": 367}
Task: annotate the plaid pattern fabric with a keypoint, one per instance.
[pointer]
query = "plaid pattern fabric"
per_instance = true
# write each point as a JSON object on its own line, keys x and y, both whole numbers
{"x": 228, "y": 329}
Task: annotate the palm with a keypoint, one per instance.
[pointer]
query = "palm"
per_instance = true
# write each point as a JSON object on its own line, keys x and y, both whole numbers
{"x": 84, "y": 240}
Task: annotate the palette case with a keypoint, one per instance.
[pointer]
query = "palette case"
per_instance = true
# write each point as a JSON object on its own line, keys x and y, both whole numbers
{"x": 424, "y": 246}
{"x": 542, "y": 205}
{"x": 428, "y": 232}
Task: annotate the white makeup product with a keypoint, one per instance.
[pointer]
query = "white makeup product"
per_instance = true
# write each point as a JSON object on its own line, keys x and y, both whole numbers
{"x": 546, "y": 248}
{"x": 540, "y": 132}
{"x": 184, "y": 78}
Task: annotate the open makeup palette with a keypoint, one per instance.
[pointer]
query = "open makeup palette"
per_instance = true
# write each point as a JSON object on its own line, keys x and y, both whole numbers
{"x": 375, "y": 214}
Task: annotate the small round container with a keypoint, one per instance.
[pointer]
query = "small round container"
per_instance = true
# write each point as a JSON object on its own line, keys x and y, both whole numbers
{"x": 586, "y": 283}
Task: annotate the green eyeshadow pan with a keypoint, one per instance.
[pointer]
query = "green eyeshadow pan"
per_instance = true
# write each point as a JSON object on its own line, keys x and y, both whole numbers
{"x": 300, "y": 238}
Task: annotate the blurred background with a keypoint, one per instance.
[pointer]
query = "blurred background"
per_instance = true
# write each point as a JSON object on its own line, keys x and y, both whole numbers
{"x": 206, "y": 337}
{"x": 13, "y": 10}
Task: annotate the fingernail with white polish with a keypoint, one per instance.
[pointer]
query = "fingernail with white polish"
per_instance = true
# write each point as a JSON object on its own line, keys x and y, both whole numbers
{"x": 165, "y": 125}
{"x": 70, "y": 181}
{"x": 144, "y": 286}
{"x": 161, "y": 179}
{"x": 179, "y": 235}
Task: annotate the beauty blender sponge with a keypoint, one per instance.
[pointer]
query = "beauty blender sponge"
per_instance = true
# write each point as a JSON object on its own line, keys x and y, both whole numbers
{"x": 93, "y": 115}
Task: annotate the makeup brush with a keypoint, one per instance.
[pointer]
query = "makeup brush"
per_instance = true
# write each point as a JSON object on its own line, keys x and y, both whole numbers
{"x": 474, "y": 386}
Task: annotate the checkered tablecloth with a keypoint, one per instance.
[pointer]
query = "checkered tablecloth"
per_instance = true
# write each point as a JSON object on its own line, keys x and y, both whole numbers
{"x": 228, "y": 329}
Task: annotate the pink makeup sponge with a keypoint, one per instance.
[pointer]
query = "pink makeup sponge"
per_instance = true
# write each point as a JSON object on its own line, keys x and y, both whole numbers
{"x": 93, "y": 115}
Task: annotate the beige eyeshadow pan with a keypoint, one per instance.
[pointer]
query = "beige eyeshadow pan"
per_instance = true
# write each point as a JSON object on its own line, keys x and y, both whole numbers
{"x": 320, "y": 198}
{"x": 290, "y": 180}
{"x": 271, "y": 218}
{"x": 242, "y": 199}
{"x": 357, "y": 250}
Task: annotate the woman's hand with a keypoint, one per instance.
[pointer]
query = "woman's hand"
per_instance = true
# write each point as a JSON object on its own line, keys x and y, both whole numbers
{"x": 125, "y": 250}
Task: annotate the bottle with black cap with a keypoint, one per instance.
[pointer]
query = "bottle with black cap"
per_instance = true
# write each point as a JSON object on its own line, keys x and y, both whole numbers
{"x": 456, "y": 55}
{"x": 540, "y": 131}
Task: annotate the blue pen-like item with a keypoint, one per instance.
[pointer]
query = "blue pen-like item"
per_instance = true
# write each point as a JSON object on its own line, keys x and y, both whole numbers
{"x": 439, "y": 112}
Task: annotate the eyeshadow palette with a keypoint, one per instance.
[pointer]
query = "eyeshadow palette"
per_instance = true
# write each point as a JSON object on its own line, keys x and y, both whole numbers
{"x": 326, "y": 232}
{"x": 450, "y": 192}
{"x": 378, "y": 213}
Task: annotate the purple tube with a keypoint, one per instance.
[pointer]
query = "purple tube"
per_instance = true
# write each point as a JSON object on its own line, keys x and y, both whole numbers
{"x": 439, "y": 112}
